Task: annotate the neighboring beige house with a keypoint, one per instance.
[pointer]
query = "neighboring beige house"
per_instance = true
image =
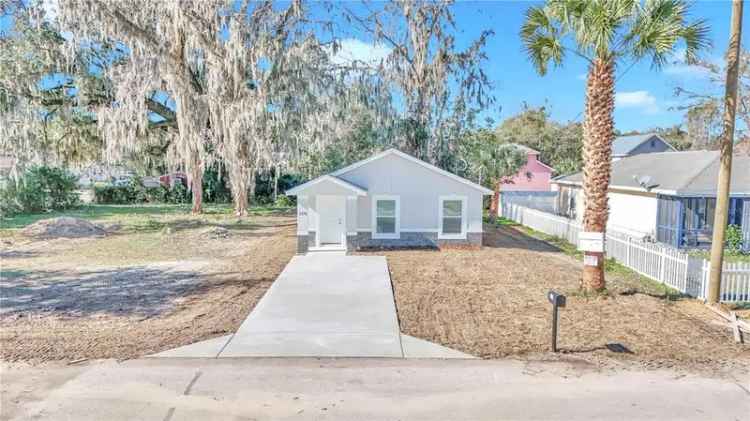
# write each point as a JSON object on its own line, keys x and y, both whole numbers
{"x": 669, "y": 197}
{"x": 391, "y": 199}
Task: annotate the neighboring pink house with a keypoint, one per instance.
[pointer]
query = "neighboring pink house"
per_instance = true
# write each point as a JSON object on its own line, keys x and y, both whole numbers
{"x": 534, "y": 176}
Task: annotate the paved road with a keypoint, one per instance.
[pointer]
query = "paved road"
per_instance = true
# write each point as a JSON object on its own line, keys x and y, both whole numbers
{"x": 376, "y": 389}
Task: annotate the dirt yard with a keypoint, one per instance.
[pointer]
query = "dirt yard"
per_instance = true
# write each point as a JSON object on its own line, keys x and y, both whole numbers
{"x": 492, "y": 303}
{"x": 162, "y": 278}
{"x": 159, "y": 280}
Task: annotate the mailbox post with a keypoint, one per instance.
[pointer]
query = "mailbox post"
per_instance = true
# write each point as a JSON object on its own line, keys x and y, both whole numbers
{"x": 557, "y": 300}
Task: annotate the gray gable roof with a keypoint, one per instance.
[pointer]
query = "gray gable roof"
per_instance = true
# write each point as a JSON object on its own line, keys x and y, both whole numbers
{"x": 624, "y": 145}
{"x": 678, "y": 173}
{"x": 335, "y": 177}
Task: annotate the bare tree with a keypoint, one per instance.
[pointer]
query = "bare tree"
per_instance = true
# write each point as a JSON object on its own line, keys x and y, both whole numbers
{"x": 704, "y": 107}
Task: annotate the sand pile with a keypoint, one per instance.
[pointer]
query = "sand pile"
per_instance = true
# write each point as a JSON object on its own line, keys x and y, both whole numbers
{"x": 64, "y": 227}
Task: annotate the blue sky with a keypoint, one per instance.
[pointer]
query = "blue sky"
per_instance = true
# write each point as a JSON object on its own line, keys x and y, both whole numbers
{"x": 645, "y": 96}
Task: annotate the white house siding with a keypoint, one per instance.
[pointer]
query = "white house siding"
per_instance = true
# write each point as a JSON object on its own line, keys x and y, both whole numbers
{"x": 419, "y": 189}
{"x": 632, "y": 213}
{"x": 307, "y": 212}
{"x": 351, "y": 215}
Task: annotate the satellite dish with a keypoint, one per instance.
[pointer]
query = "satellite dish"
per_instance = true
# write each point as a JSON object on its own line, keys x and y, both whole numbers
{"x": 644, "y": 181}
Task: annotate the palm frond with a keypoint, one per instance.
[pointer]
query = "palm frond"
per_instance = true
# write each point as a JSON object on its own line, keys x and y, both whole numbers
{"x": 610, "y": 29}
{"x": 659, "y": 27}
{"x": 696, "y": 38}
{"x": 541, "y": 37}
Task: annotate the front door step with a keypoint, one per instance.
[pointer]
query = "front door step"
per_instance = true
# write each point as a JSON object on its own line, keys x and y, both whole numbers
{"x": 327, "y": 248}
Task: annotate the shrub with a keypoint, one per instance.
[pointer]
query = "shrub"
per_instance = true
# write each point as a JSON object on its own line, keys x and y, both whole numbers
{"x": 179, "y": 194}
{"x": 261, "y": 200}
{"x": 115, "y": 195}
{"x": 283, "y": 201}
{"x": 136, "y": 192}
{"x": 734, "y": 239}
{"x": 215, "y": 188}
{"x": 40, "y": 189}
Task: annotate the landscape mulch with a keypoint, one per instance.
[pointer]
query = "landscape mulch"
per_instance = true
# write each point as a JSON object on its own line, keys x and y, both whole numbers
{"x": 492, "y": 303}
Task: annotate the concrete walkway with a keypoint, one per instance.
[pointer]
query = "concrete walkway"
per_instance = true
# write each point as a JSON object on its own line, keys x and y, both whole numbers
{"x": 323, "y": 305}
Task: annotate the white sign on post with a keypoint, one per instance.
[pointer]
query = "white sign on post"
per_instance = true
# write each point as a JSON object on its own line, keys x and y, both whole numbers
{"x": 589, "y": 260}
{"x": 591, "y": 241}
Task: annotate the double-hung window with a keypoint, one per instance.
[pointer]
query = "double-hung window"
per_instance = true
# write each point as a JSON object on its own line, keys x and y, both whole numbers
{"x": 452, "y": 217}
{"x": 386, "y": 216}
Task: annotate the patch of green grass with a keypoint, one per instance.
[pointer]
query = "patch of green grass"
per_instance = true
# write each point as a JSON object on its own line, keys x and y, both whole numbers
{"x": 95, "y": 213}
{"x": 729, "y": 256}
{"x": 501, "y": 221}
{"x": 144, "y": 217}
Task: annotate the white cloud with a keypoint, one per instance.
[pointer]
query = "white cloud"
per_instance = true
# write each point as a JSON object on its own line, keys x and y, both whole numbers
{"x": 637, "y": 99}
{"x": 581, "y": 76}
{"x": 352, "y": 49}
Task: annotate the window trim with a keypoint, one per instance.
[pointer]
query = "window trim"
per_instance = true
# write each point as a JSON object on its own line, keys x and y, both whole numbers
{"x": 464, "y": 218}
{"x": 374, "y": 212}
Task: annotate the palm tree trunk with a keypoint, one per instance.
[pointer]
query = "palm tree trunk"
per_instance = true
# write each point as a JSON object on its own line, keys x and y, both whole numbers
{"x": 598, "y": 133}
{"x": 495, "y": 204}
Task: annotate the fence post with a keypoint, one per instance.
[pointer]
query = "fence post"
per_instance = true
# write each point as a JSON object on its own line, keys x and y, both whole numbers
{"x": 704, "y": 283}
{"x": 662, "y": 264}
{"x": 628, "y": 253}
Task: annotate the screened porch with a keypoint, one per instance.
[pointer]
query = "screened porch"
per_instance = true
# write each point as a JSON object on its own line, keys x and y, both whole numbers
{"x": 687, "y": 222}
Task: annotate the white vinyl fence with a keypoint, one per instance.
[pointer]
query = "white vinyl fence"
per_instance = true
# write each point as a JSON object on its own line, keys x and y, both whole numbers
{"x": 659, "y": 262}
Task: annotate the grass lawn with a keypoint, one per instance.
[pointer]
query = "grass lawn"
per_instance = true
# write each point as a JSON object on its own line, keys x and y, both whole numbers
{"x": 728, "y": 256}
{"x": 161, "y": 278}
{"x": 492, "y": 303}
{"x": 132, "y": 215}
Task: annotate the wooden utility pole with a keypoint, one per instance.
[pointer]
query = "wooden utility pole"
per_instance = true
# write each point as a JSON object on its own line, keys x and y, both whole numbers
{"x": 725, "y": 169}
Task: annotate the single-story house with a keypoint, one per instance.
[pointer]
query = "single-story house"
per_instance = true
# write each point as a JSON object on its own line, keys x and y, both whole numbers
{"x": 624, "y": 146}
{"x": 669, "y": 197}
{"x": 535, "y": 175}
{"x": 391, "y": 199}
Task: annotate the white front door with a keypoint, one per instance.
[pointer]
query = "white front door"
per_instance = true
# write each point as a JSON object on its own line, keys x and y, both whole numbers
{"x": 331, "y": 220}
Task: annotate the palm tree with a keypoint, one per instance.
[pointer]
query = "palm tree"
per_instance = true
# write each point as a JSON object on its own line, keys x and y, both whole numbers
{"x": 504, "y": 163}
{"x": 606, "y": 33}
{"x": 492, "y": 162}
